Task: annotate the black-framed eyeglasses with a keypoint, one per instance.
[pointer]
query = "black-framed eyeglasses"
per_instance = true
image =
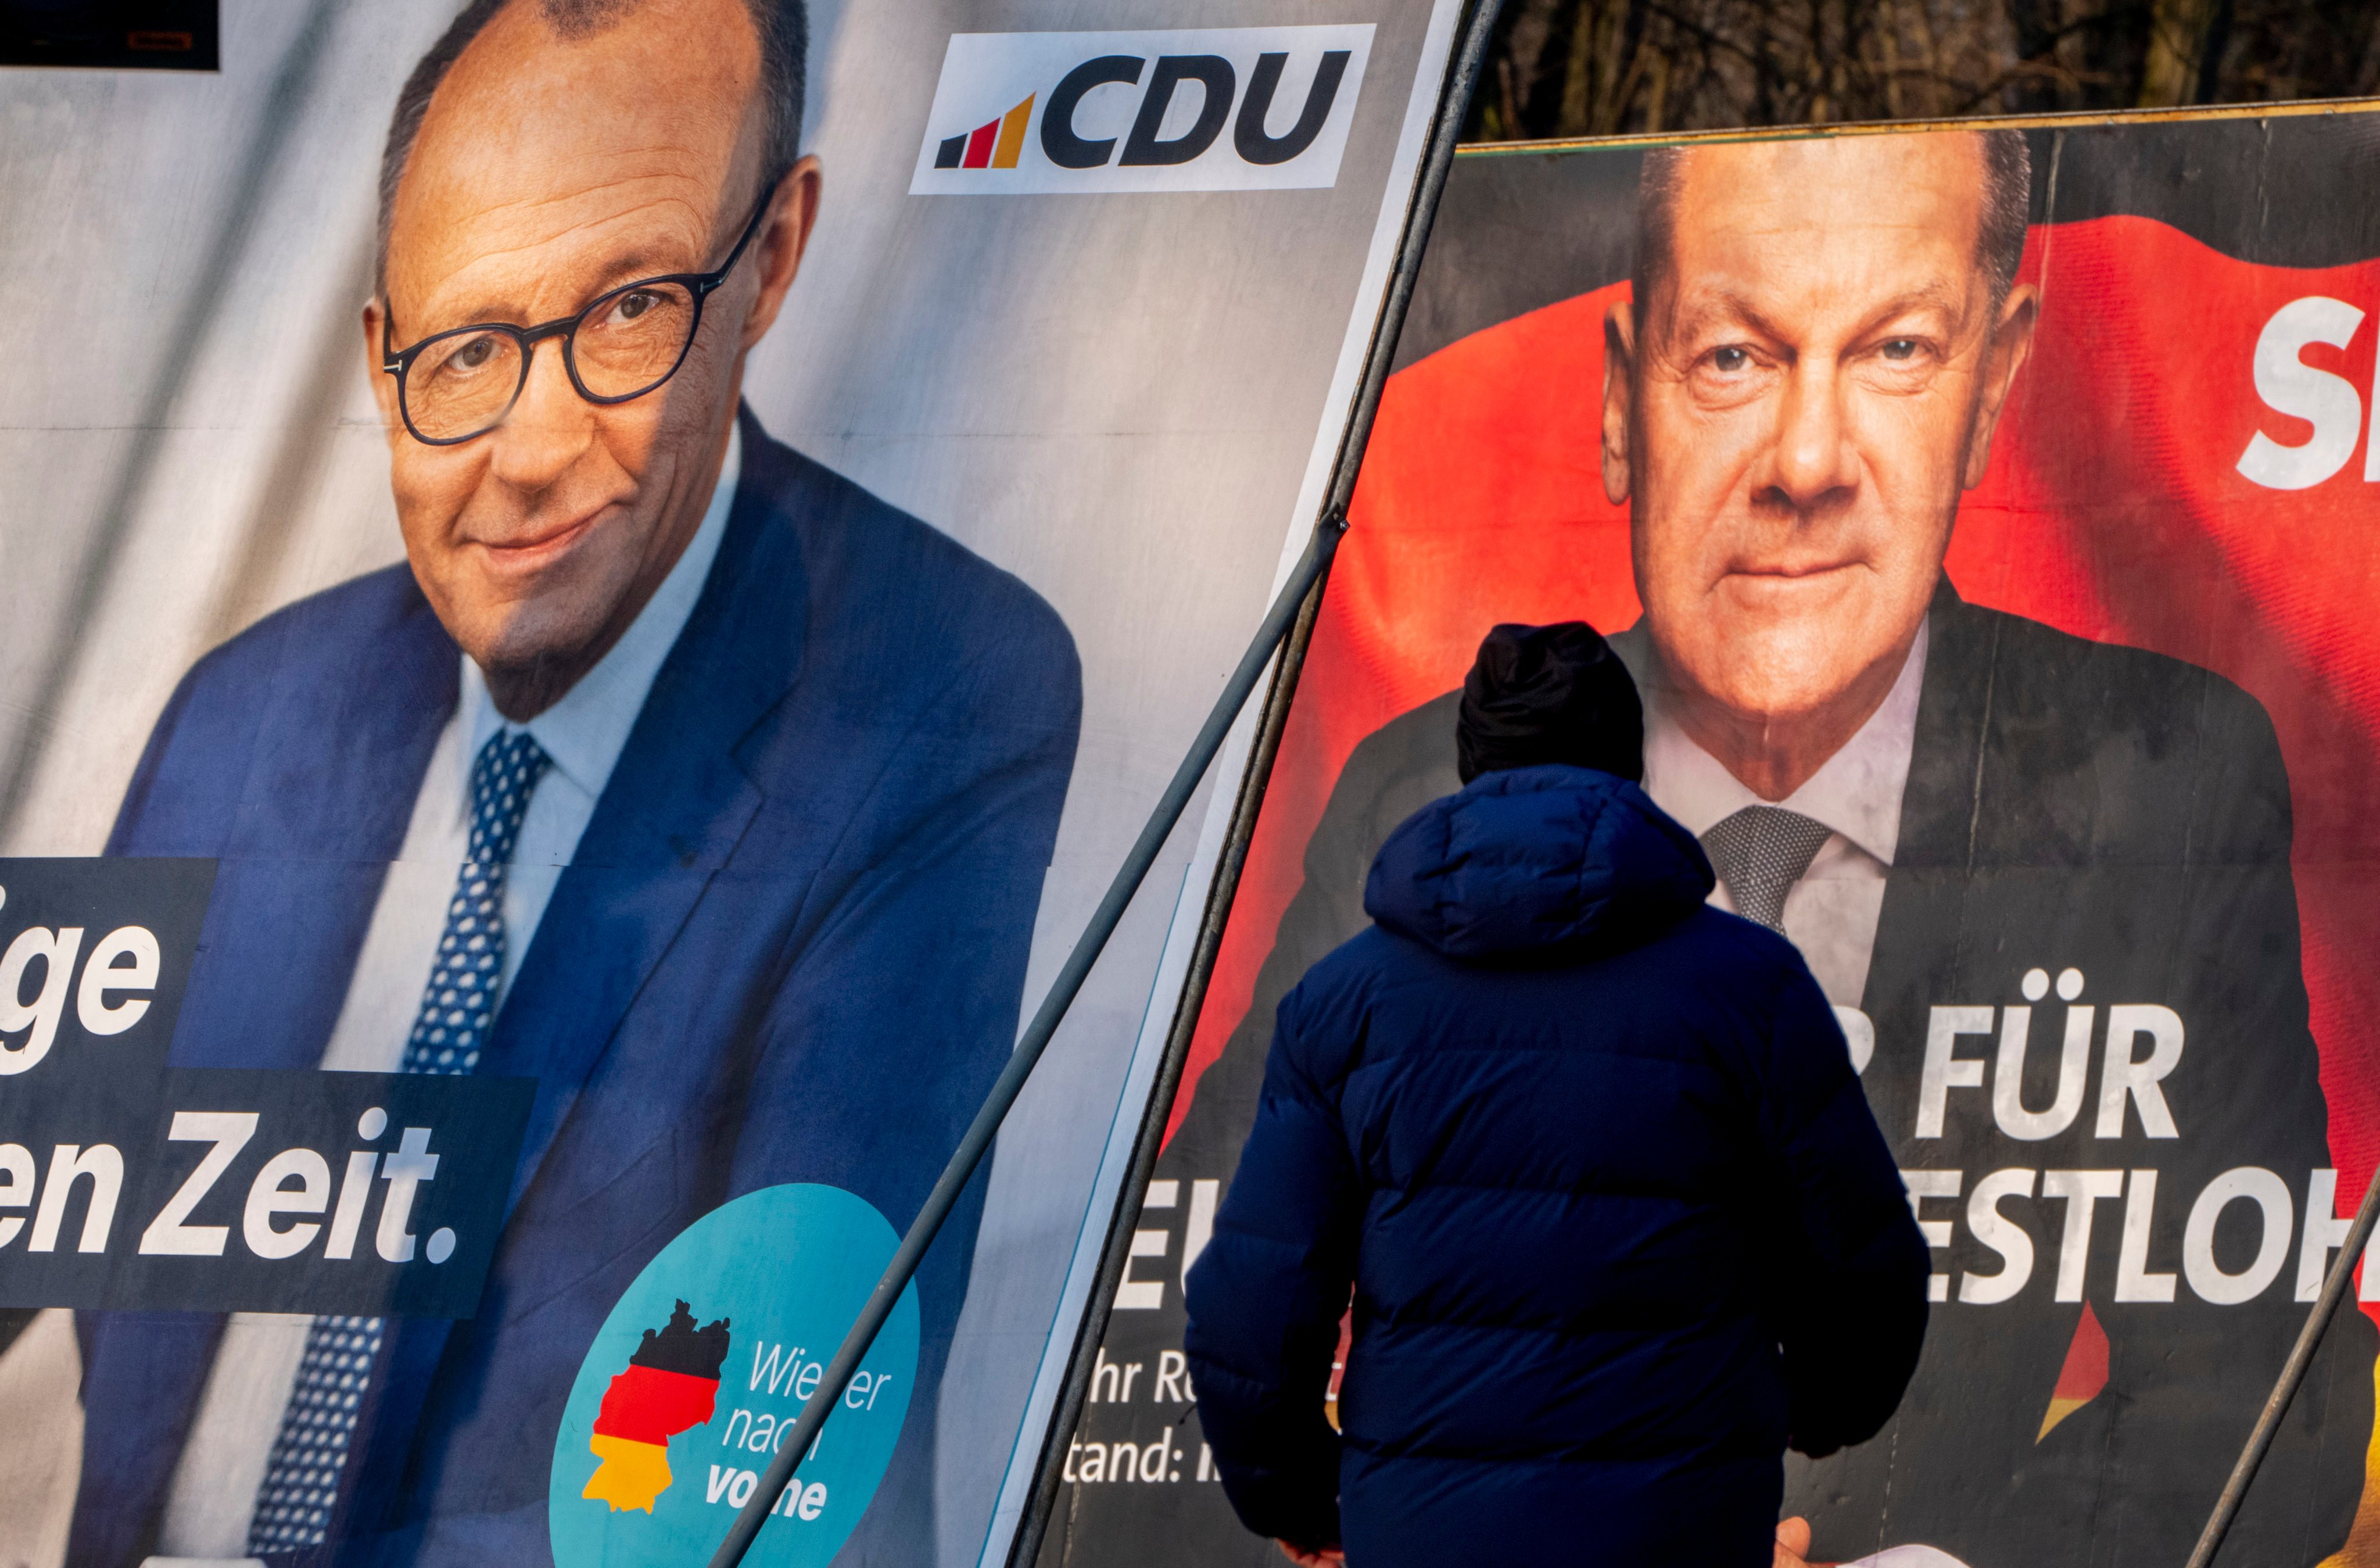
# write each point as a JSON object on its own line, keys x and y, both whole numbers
{"x": 456, "y": 385}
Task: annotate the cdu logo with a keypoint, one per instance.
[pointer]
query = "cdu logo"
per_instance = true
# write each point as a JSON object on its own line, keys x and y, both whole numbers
{"x": 1260, "y": 108}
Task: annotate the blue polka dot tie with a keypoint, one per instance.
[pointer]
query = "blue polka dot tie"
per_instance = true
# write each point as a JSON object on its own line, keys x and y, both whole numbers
{"x": 460, "y": 1000}
{"x": 310, "y": 1454}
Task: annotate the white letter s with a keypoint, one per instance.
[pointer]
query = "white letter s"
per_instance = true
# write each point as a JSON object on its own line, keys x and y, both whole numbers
{"x": 2290, "y": 385}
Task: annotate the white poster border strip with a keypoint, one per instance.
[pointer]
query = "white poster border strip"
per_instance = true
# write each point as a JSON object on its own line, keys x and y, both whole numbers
{"x": 1182, "y": 932}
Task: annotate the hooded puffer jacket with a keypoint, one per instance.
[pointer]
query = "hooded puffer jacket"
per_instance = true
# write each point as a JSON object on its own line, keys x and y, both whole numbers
{"x": 1617, "y": 1220}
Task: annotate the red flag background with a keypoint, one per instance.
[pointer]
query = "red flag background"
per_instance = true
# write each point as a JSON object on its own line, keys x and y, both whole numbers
{"x": 2114, "y": 509}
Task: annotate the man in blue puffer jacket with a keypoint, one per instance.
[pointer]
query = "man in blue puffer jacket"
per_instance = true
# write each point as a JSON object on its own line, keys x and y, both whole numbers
{"x": 1591, "y": 1155}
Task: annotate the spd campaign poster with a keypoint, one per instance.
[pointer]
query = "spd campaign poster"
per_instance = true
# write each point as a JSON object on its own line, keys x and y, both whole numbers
{"x": 595, "y": 590}
{"x": 2012, "y": 487}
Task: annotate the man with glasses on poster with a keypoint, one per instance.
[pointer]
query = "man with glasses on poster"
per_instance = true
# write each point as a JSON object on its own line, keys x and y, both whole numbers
{"x": 2046, "y": 882}
{"x": 458, "y": 385}
{"x": 723, "y": 746}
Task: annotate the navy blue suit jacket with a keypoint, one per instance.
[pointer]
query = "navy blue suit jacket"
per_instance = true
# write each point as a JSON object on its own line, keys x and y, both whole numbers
{"x": 790, "y": 948}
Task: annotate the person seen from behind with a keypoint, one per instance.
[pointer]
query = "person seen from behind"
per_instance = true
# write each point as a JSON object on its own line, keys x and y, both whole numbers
{"x": 1591, "y": 1159}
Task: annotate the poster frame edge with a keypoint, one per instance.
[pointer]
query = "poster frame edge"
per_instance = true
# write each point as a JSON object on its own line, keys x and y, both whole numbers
{"x": 2295, "y": 108}
{"x": 1474, "y": 24}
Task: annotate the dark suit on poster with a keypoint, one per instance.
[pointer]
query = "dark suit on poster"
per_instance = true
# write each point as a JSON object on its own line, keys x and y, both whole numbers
{"x": 2069, "y": 804}
{"x": 790, "y": 948}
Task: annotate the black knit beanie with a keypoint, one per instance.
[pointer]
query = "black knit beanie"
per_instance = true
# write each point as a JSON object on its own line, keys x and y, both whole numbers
{"x": 1548, "y": 694}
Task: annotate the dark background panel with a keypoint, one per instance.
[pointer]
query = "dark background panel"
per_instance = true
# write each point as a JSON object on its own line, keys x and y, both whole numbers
{"x": 1519, "y": 230}
{"x": 171, "y": 35}
{"x": 470, "y": 1125}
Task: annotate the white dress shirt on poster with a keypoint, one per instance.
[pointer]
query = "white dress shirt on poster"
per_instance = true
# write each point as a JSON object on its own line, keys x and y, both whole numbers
{"x": 213, "y": 1489}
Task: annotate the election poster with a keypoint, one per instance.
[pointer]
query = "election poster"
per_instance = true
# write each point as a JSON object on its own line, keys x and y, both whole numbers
{"x": 595, "y": 590}
{"x": 1996, "y": 499}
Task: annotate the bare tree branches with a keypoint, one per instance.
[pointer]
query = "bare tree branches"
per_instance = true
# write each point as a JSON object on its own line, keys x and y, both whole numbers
{"x": 1594, "y": 68}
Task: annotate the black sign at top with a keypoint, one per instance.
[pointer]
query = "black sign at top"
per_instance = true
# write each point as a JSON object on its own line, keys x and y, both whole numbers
{"x": 168, "y": 35}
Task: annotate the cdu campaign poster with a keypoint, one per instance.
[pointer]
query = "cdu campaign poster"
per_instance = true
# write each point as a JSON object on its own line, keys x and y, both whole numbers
{"x": 594, "y": 590}
{"x": 1990, "y": 507}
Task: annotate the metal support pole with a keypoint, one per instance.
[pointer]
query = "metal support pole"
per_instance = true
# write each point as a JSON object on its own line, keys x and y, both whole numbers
{"x": 1092, "y": 1330}
{"x": 1278, "y": 621}
{"x": 977, "y": 1141}
{"x": 1429, "y": 185}
{"x": 2293, "y": 1371}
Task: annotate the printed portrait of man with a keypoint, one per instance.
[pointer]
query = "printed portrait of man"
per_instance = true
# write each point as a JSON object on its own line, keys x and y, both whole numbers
{"x": 2045, "y": 881}
{"x": 669, "y": 769}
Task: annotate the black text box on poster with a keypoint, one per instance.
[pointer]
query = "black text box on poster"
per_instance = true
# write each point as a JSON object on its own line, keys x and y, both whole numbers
{"x": 357, "y": 1193}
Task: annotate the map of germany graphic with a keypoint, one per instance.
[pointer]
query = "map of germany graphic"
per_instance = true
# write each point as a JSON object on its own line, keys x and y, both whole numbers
{"x": 671, "y": 1385}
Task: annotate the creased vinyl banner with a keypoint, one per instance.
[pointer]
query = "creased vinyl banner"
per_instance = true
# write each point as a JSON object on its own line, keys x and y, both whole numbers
{"x": 583, "y": 637}
{"x": 2043, "y": 554}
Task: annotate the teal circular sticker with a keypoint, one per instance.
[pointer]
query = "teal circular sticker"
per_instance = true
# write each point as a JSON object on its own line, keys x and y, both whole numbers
{"x": 700, "y": 1371}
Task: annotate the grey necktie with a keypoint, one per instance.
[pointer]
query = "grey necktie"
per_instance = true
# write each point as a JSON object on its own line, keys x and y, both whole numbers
{"x": 1760, "y": 853}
